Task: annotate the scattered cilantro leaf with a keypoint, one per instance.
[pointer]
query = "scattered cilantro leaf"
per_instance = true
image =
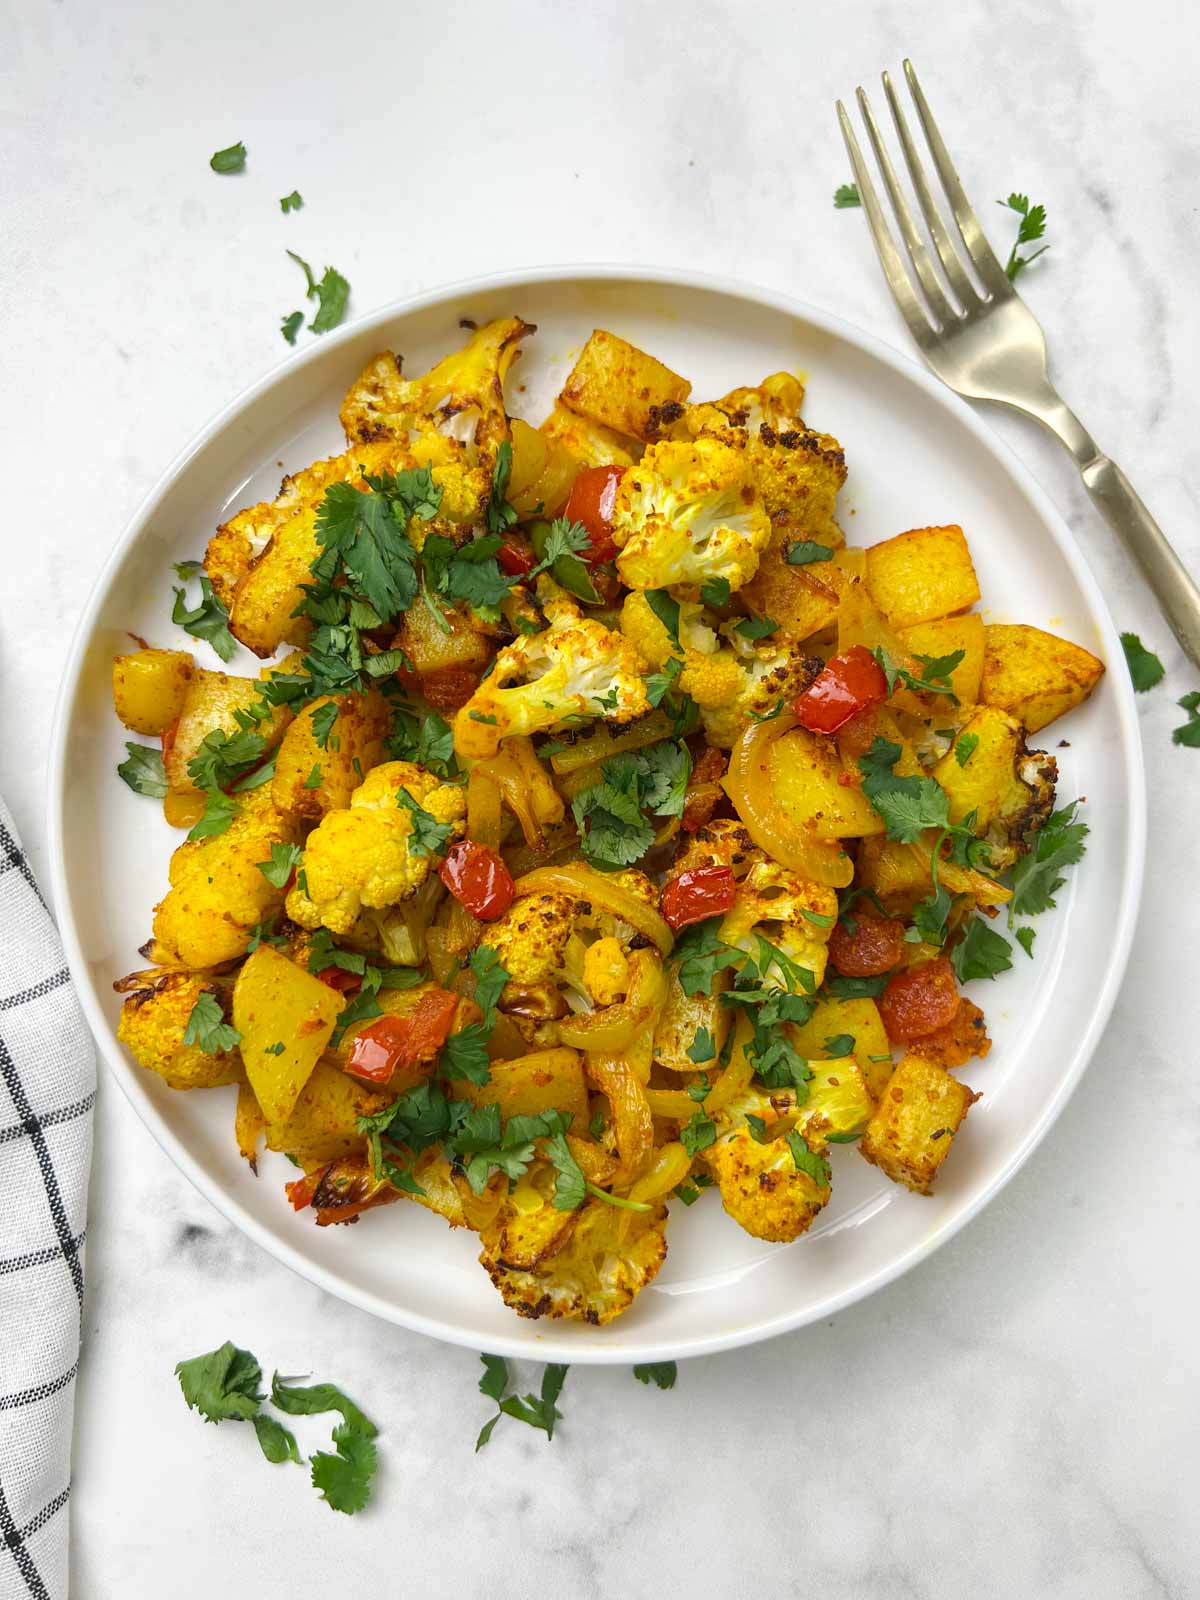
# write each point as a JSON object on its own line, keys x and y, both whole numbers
{"x": 495, "y": 1377}
{"x": 291, "y": 202}
{"x": 1037, "y": 876}
{"x": 1189, "y": 734}
{"x": 753, "y": 628}
{"x": 981, "y": 952}
{"x": 143, "y": 771}
{"x": 660, "y": 1373}
{"x": 846, "y": 196}
{"x": 715, "y": 592}
{"x": 965, "y": 747}
{"x": 309, "y": 1400}
{"x": 1032, "y": 227}
{"x": 666, "y": 609}
{"x": 428, "y": 836}
{"x": 570, "y": 1188}
{"x": 841, "y": 1044}
{"x": 1145, "y": 668}
{"x": 908, "y": 805}
{"x": 855, "y": 988}
{"x": 219, "y": 813}
{"x": 1025, "y": 937}
{"x": 935, "y": 678}
{"x": 698, "y": 1133}
{"x": 536, "y": 1411}
{"x": 331, "y": 293}
{"x": 661, "y": 684}
{"x": 290, "y": 326}
{"x": 500, "y": 515}
{"x": 284, "y": 858}
{"x": 206, "y": 1026}
{"x": 807, "y": 1161}
{"x": 803, "y": 552}
{"x": 344, "y": 1478}
{"x": 277, "y": 1443}
{"x": 223, "y": 1384}
{"x": 231, "y": 159}
{"x": 224, "y": 757}
{"x": 703, "y": 1047}
{"x": 208, "y": 621}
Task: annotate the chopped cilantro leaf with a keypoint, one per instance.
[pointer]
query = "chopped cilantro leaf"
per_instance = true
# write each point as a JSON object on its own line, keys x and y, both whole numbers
{"x": 500, "y": 515}
{"x": 1025, "y": 937}
{"x": 841, "y": 1044}
{"x": 231, "y": 159}
{"x": 290, "y": 326}
{"x": 206, "y": 1026}
{"x": 703, "y": 1047}
{"x": 965, "y": 748}
{"x": 808, "y": 1161}
{"x": 981, "y": 953}
{"x": 222, "y": 1385}
{"x": 428, "y": 836}
{"x": 208, "y": 620}
{"x": 279, "y": 868}
{"x": 1145, "y": 669}
{"x": 219, "y": 812}
{"x": 666, "y": 609}
{"x": 143, "y": 771}
{"x": 344, "y": 1478}
{"x": 715, "y": 592}
{"x": 1189, "y": 734}
{"x": 753, "y": 628}
{"x": 660, "y": 1373}
{"x": 275, "y": 1441}
{"x": 855, "y": 988}
{"x": 698, "y": 1133}
{"x": 1037, "y": 876}
{"x": 331, "y": 294}
{"x": 291, "y": 202}
{"x": 846, "y": 196}
{"x": 803, "y": 552}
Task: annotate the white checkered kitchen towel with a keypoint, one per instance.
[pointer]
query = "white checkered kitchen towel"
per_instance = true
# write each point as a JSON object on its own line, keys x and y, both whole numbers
{"x": 47, "y": 1088}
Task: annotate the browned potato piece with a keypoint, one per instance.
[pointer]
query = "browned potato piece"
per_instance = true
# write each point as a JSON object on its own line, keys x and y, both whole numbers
{"x": 149, "y": 688}
{"x": 1034, "y": 675}
{"x": 324, "y": 1121}
{"x": 620, "y": 386}
{"x": 285, "y": 1016}
{"x": 909, "y": 1136}
{"x": 353, "y": 745}
{"x": 899, "y": 875}
{"x": 547, "y": 1080}
{"x": 590, "y": 444}
{"x": 209, "y": 703}
{"x": 943, "y": 638}
{"x": 449, "y": 664}
{"x": 922, "y": 574}
{"x": 802, "y": 600}
{"x": 806, "y": 781}
{"x": 154, "y": 1019}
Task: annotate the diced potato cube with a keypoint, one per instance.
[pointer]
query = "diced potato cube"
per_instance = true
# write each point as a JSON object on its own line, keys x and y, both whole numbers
{"x": 802, "y": 600}
{"x": 588, "y": 442}
{"x": 1034, "y": 675}
{"x": 918, "y": 1114}
{"x": 209, "y": 704}
{"x": 149, "y": 688}
{"x": 922, "y": 574}
{"x": 548, "y": 1080}
{"x": 620, "y": 386}
{"x": 323, "y": 1124}
{"x": 943, "y": 638}
{"x": 861, "y": 1020}
{"x": 285, "y": 1016}
{"x": 805, "y": 773}
{"x": 353, "y": 745}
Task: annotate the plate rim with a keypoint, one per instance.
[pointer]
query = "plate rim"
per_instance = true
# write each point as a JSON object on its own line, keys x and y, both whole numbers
{"x": 551, "y": 1345}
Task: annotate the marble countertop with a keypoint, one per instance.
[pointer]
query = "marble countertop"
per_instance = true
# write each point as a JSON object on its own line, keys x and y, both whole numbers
{"x": 1015, "y": 1417}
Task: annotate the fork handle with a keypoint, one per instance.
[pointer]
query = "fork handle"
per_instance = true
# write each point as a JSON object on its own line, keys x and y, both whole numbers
{"x": 1173, "y": 586}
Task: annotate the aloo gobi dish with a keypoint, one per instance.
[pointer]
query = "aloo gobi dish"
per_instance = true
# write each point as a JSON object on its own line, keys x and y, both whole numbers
{"x": 601, "y": 830}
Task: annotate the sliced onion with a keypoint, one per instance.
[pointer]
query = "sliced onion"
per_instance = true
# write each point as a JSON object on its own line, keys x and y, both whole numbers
{"x": 749, "y": 785}
{"x": 594, "y": 887}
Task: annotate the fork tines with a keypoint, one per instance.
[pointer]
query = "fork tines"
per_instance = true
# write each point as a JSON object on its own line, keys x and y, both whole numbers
{"x": 970, "y": 276}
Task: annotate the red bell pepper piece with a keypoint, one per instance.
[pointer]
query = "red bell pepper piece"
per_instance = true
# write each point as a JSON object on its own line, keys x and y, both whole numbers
{"x": 478, "y": 879}
{"x": 698, "y": 893}
{"x": 389, "y": 1043}
{"x": 516, "y": 556}
{"x": 848, "y": 685}
{"x": 591, "y": 501}
{"x": 341, "y": 980}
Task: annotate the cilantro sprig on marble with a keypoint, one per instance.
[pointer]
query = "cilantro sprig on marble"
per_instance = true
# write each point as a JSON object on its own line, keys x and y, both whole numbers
{"x": 223, "y": 1386}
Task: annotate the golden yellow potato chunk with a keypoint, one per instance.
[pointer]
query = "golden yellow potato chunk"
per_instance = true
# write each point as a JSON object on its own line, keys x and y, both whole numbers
{"x": 1034, "y": 675}
{"x": 312, "y": 777}
{"x": 324, "y": 1121}
{"x": 922, "y": 574}
{"x": 620, "y": 386}
{"x": 805, "y": 770}
{"x": 944, "y": 637}
{"x": 149, "y": 688}
{"x": 918, "y": 1114}
{"x": 285, "y": 1016}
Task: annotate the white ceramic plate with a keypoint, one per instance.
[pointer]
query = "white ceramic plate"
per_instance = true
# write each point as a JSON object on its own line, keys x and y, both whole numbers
{"x": 917, "y": 456}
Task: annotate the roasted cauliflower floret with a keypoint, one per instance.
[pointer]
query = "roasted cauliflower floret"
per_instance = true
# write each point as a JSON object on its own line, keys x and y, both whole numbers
{"x": 217, "y": 892}
{"x": 594, "y": 1273}
{"x": 796, "y": 916}
{"x": 374, "y": 854}
{"x": 531, "y": 937}
{"x": 461, "y": 399}
{"x": 763, "y": 1188}
{"x": 606, "y": 971}
{"x": 775, "y": 669}
{"x": 575, "y": 668}
{"x": 798, "y": 473}
{"x": 154, "y": 1019}
{"x": 686, "y": 514}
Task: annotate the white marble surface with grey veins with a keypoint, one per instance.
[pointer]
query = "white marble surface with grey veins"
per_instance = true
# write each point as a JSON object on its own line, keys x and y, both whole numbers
{"x": 1017, "y": 1417}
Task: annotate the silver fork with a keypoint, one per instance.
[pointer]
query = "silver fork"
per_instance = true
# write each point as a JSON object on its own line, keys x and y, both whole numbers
{"x": 982, "y": 340}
